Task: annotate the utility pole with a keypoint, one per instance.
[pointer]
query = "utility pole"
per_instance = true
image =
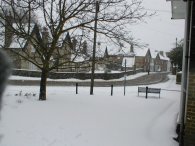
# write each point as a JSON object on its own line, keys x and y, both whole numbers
{"x": 176, "y": 67}
{"x": 94, "y": 47}
{"x": 125, "y": 77}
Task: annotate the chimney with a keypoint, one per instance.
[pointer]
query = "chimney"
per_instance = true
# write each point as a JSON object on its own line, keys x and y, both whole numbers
{"x": 131, "y": 49}
{"x": 161, "y": 53}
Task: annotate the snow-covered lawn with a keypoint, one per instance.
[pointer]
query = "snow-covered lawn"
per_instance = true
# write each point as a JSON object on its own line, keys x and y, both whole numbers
{"x": 67, "y": 119}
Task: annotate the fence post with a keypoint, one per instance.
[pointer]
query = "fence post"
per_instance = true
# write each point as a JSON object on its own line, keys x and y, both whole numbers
{"x": 76, "y": 88}
{"x": 146, "y": 92}
{"x": 111, "y": 90}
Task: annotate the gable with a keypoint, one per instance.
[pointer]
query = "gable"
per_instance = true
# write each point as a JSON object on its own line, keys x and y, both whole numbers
{"x": 19, "y": 42}
{"x": 141, "y": 52}
{"x": 149, "y": 54}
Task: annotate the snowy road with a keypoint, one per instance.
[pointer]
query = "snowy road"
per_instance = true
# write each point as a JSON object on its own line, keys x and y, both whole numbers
{"x": 131, "y": 80}
{"x": 67, "y": 119}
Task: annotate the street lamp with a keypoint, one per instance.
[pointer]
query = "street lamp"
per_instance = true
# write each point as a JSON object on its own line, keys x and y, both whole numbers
{"x": 94, "y": 47}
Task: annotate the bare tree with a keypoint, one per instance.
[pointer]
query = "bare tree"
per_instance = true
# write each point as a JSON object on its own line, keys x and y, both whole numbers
{"x": 59, "y": 17}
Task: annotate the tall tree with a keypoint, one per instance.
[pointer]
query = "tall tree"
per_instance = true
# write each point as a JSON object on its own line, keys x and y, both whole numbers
{"x": 176, "y": 55}
{"x": 62, "y": 16}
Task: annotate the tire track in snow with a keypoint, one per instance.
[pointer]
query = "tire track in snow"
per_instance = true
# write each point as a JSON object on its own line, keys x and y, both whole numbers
{"x": 158, "y": 116}
{"x": 163, "y": 120}
{"x": 159, "y": 122}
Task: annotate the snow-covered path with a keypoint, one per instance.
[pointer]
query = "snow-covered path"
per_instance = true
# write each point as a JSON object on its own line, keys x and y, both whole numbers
{"x": 67, "y": 119}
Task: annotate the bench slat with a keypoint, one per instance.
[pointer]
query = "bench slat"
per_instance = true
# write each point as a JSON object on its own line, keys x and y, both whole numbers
{"x": 141, "y": 89}
{"x": 150, "y": 90}
{"x": 153, "y": 90}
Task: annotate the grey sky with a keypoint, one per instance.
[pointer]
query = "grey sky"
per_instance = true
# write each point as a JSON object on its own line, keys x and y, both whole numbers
{"x": 160, "y": 31}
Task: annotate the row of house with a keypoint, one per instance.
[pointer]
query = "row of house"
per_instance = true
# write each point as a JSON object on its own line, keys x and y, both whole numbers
{"x": 128, "y": 59}
{"x": 160, "y": 62}
{"x": 133, "y": 58}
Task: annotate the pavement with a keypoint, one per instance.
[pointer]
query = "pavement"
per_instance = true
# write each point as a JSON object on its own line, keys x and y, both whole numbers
{"x": 143, "y": 80}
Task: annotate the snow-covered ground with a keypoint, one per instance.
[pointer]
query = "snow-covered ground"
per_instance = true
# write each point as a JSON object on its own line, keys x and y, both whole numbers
{"x": 67, "y": 119}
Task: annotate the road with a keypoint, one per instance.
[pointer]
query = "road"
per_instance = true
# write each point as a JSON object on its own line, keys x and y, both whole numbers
{"x": 143, "y": 80}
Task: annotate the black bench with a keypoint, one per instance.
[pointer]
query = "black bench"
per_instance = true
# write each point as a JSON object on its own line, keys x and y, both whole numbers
{"x": 149, "y": 90}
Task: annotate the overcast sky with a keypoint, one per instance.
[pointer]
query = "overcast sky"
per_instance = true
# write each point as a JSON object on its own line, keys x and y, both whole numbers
{"x": 160, "y": 31}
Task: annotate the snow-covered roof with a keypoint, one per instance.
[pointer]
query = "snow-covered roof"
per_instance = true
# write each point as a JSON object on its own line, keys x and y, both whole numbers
{"x": 17, "y": 42}
{"x": 99, "y": 53}
{"x": 130, "y": 61}
{"x": 63, "y": 37}
{"x": 24, "y": 27}
{"x": 163, "y": 56}
{"x": 137, "y": 52}
{"x": 154, "y": 54}
{"x": 78, "y": 58}
{"x": 140, "y": 51}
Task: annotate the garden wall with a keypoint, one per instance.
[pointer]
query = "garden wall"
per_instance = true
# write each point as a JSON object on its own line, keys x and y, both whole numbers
{"x": 67, "y": 75}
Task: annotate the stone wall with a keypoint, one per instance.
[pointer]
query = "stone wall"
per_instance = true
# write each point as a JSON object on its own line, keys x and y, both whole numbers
{"x": 26, "y": 73}
{"x": 178, "y": 77}
{"x": 67, "y": 75}
{"x": 189, "y": 132}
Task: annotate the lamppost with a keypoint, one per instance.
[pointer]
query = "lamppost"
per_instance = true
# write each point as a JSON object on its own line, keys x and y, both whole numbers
{"x": 94, "y": 47}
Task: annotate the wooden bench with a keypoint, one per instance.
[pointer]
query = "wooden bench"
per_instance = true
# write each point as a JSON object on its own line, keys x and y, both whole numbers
{"x": 149, "y": 90}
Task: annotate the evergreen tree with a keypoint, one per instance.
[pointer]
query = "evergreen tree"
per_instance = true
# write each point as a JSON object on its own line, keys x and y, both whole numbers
{"x": 176, "y": 55}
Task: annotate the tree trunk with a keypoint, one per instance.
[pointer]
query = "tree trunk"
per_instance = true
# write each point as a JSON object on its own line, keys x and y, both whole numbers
{"x": 42, "y": 94}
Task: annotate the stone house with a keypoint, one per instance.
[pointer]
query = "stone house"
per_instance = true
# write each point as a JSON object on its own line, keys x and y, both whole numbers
{"x": 80, "y": 63}
{"x": 140, "y": 57}
{"x": 63, "y": 53}
{"x": 14, "y": 44}
{"x": 112, "y": 61}
{"x": 159, "y": 62}
{"x": 162, "y": 62}
{"x": 80, "y": 57}
{"x": 153, "y": 62}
